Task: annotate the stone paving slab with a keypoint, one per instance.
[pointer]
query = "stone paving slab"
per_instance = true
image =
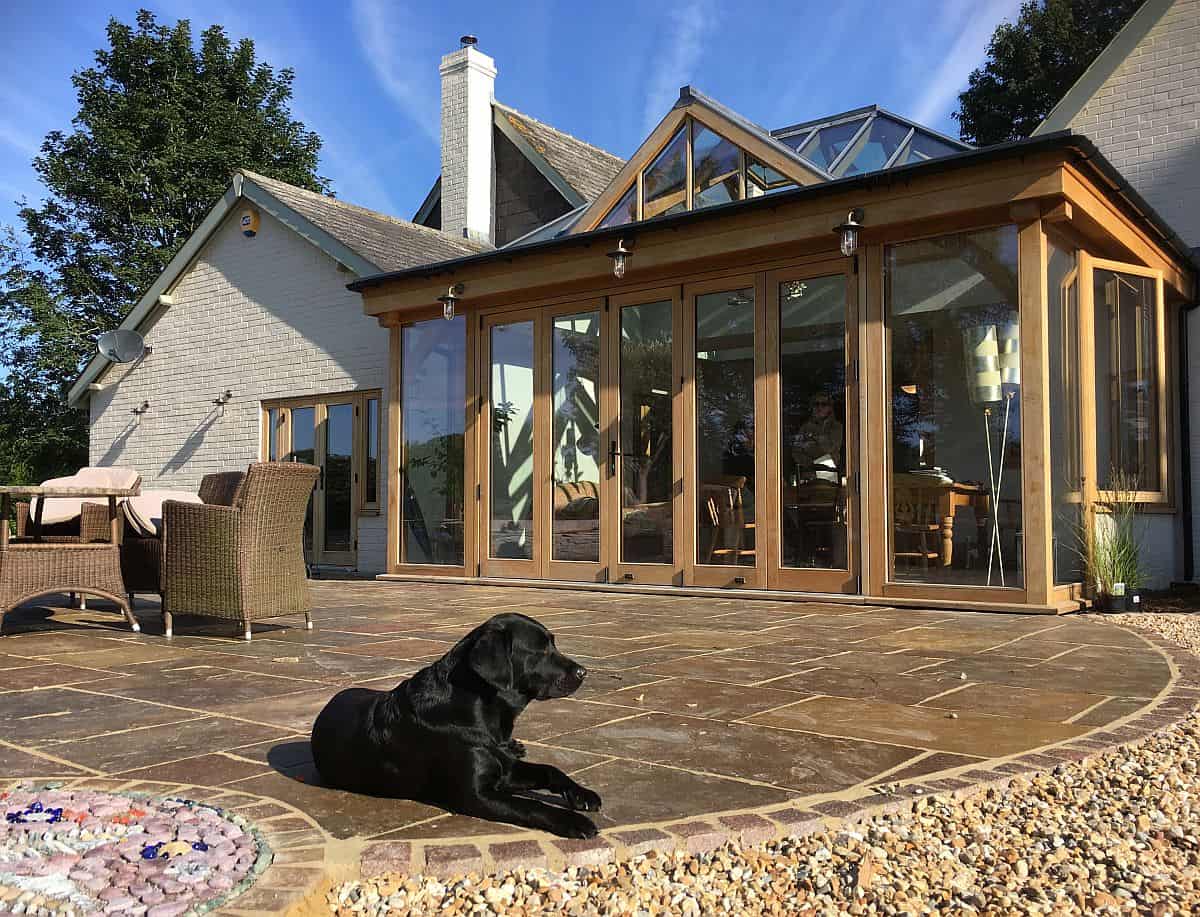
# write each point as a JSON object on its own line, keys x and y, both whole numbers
{"x": 701, "y": 720}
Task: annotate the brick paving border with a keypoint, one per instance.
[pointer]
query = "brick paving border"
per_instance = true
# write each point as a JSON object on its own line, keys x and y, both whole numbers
{"x": 703, "y": 833}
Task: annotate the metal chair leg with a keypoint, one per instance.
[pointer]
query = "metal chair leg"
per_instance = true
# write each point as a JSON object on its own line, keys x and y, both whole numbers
{"x": 308, "y": 624}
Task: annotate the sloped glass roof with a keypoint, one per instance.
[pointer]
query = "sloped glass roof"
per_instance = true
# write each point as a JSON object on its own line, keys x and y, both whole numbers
{"x": 866, "y": 140}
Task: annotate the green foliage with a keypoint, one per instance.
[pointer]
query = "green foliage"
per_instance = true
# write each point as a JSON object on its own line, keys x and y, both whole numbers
{"x": 1033, "y": 62}
{"x": 161, "y": 126}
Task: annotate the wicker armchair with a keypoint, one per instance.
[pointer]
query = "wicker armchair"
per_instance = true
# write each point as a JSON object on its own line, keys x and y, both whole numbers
{"x": 242, "y": 562}
{"x": 141, "y": 556}
{"x": 92, "y": 526}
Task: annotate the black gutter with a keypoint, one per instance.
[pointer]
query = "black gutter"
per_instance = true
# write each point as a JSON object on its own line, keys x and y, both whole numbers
{"x": 1062, "y": 140}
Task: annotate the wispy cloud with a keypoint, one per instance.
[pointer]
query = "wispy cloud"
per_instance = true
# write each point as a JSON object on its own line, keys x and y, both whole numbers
{"x": 21, "y": 141}
{"x": 389, "y": 44}
{"x": 687, "y": 28}
{"x": 949, "y": 78}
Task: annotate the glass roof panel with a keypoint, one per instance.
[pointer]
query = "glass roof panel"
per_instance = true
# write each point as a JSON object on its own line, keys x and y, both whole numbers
{"x": 924, "y": 147}
{"x": 883, "y": 138}
{"x": 665, "y": 181}
{"x": 624, "y": 211}
{"x": 716, "y": 164}
{"x": 823, "y": 148}
{"x": 762, "y": 179}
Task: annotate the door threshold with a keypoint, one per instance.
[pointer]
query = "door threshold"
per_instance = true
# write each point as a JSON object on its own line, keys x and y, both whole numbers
{"x": 732, "y": 592}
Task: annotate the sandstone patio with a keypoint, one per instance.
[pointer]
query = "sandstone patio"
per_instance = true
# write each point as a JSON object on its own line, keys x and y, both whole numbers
{"x": 693, "y": 708}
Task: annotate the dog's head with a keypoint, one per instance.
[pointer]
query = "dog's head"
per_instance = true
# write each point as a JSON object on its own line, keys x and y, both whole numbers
{"x": 515, "y": 654}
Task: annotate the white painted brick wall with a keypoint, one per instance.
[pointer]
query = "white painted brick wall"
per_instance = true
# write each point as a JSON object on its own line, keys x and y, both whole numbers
{"x": 1146, "y": 118}
{"x": 468, "y": 84}
{"x": 268, "y": 317}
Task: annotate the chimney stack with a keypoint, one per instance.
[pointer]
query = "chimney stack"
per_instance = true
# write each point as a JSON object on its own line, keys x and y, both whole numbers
{"x": 468, "y": 83}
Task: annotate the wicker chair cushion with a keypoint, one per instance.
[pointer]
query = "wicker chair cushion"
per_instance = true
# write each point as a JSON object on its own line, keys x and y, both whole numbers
{"x": 64, "y": 509}
{"x": 144, "y": 513}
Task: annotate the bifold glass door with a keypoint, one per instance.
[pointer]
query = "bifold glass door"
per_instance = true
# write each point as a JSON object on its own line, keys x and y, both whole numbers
{"x": 542, "y": 485}
{"x": 333, "y": 434}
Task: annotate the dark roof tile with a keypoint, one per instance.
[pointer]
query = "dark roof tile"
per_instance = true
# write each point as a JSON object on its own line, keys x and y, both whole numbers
{"x": 586, "y": 168}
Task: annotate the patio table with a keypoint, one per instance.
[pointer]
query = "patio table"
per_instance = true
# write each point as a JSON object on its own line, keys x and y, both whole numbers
{"x": 31, "y": 567}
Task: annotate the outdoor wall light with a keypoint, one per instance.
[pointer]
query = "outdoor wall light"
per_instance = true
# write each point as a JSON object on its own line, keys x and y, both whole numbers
{"x": 223, "y": 399}
{"x": 620, "y": 257}
{"x": 141, "y": 409}
{"x": 450, "y": 300}
{"x": 848, "y": 232}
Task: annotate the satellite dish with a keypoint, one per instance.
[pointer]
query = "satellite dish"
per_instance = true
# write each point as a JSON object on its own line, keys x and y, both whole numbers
{"x": 121, "y": 345}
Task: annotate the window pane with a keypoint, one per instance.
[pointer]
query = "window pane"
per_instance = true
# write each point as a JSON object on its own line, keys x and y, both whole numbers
{"x": 432, "y": 417}
{"x": 304, "y": 449}
{"x": 884, "y": 136}
{"x": 717, "y": 166}
{"x": 954, "y": 328}
{"x": 664, "y": 183}
{"x": 576, "y": 452}
{"x": 624, "y": 211}
{"x": 647, "y": 477}
{"x": 274, "y": 418}
{"x": 923, "y": 147}
{"x": 1127, "y": 435}
{"x": 812, "y": 381}
{"x": 371, "y": 429}
{"x": 1062, "y": 296}
{"x": 762, "y": 179}
{"x": 725, "y": 428}
{"x": 339, "y": 457}
{"x": 823, "y": 148}
{"x": 512, "y": 356}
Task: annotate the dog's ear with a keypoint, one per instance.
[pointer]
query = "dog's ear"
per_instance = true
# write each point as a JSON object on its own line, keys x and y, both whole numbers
{"x": 491, "y": 658}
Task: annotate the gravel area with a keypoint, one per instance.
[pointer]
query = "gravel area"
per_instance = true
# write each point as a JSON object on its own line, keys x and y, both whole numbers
{"x": 1117, "y": 834}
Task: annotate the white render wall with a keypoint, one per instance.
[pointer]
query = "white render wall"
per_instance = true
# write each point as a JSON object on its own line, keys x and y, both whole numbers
{"x": 468, "y": 86}
{"x": 1146, "y": 118}
{"x": 268, "y": 317}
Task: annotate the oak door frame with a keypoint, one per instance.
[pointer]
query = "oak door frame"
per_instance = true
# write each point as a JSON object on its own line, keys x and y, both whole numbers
{"x": 811, "y": 579}
{"x": 284, "y": 446}
{"x": 568, "y": 570}
{"x": 645, "y": 573}
{"x": 518, "y": 568}
{"x": 695, "y": 573}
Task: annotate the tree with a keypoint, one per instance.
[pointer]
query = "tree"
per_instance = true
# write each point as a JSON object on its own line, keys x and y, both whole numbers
{"x": 160, "y": 128}
{"x": 1033, "y": 62}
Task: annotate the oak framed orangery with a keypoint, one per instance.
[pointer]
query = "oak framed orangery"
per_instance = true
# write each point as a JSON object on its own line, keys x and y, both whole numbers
{"x": 928, "y": 414}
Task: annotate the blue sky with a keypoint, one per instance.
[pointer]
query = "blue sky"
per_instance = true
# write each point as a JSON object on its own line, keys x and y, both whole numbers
{"x": 367, "y": 82}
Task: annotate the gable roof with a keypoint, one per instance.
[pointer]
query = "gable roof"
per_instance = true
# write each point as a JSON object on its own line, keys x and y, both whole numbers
{"x": 362, "y": 240}
{"x": 381, "y": 239}
{"x": 585, "y": 168}
{"x": 1103, "y": 67}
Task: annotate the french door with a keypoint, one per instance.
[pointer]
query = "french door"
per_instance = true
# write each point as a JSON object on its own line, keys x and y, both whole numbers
{"x": 703, "y": 434}
{"x": 542, "y": 483}
{"x": 328, "y": 433}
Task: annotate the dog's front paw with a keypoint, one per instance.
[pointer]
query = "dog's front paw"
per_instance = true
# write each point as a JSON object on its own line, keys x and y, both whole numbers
{"x": 576, "y": 826}
{"x": 514, "y": 748}
{"x": 582, "y": 799}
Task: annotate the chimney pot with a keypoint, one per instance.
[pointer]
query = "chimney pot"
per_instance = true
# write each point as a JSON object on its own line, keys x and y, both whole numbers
{"x": 467, "y": 40}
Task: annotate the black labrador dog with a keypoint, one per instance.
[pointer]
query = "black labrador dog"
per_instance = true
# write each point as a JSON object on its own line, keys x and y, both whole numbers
{"x": 444, "y": 736}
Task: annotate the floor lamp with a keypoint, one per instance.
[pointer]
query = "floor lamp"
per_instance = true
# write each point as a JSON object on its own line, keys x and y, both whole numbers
{"x": 993, "y": 359}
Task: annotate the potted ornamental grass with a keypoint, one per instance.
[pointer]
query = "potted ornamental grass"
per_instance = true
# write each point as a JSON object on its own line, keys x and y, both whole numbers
{"x": 1112, "y": 546}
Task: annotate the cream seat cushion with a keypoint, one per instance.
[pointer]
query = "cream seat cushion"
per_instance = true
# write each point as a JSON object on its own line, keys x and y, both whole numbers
{"x": 144, "y": 513}
{"x": 64, "y": 509}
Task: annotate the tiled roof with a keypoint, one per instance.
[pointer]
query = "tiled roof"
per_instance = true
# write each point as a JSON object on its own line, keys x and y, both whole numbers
{"x": 586, "y": 168}
{"x": 385, "y": 241}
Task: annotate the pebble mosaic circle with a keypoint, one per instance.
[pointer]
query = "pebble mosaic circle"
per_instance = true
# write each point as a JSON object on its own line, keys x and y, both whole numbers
{"x": 90, "y": 852}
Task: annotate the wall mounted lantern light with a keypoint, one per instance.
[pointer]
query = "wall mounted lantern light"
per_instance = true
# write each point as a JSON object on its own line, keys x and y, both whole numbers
{"x": 141, "y": 409}
{"x": 848, "y": 232}
{"x": 450, "y": 300}
{"x": 223, "y": 399}
{"x": 620, "y": 257}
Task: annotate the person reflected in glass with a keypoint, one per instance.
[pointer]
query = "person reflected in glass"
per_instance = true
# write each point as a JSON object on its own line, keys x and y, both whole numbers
{"x": 817, "y": 443}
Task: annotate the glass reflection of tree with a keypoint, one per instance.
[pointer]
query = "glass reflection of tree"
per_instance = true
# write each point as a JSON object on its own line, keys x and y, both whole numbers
{"x": 646, "y": 426}
{"x": 441, "y": 458}
{"x": 577, "y": 413}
